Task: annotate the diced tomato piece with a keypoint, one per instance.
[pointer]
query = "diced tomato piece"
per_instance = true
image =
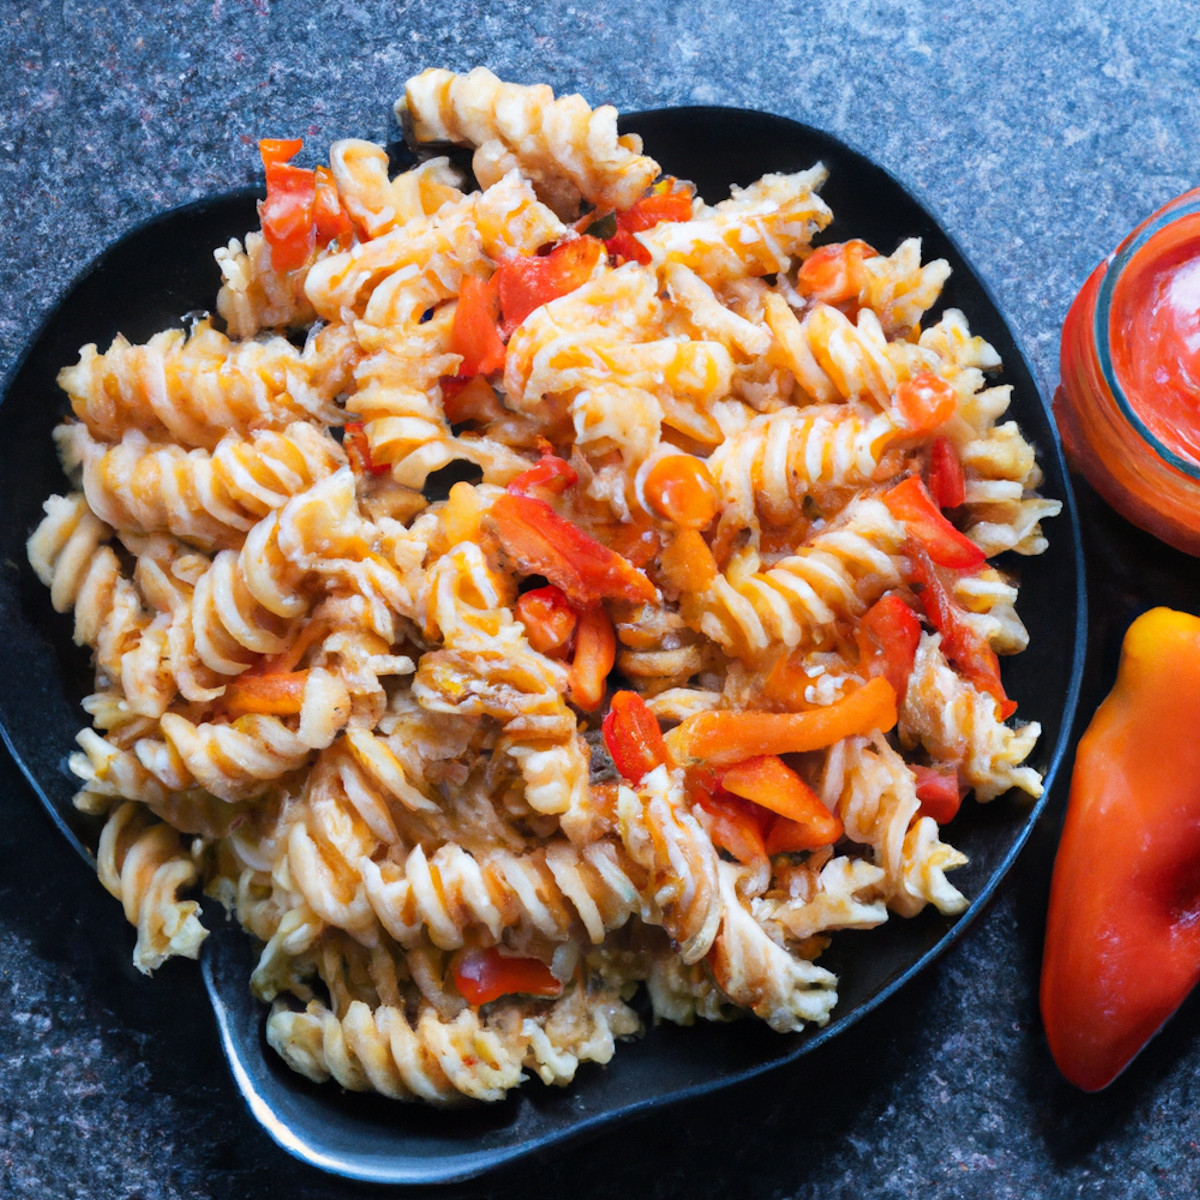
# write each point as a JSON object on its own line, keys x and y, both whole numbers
{"x": 887, "y": 639}
{"x": 939, "y": 792}
{"x": 287, "y": 212}
{"x": 624, "y": 246}
{"x": 632, "y": 736}
{"x": 833, "y": 274}
{"x": 947, "y": 483}
{"x": 909, "y": 501}
{"x": 531, "y": 280}
{"x": 543, "y": 543}
{"x": 475, "y": 334}
{"x": 549, "y": 476}
{"x": 925, "y": 401}
{"x": 485, "y": 975}
{"x": 974, "y": 659}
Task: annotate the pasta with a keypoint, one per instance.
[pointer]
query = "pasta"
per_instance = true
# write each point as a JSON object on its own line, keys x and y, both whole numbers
{"x": 711, "y": 481}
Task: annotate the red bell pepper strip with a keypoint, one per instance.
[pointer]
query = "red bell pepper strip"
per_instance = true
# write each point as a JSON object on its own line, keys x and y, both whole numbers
{"x": 666, "y": 203}
{"x": 632, "y": 736}
{"x": 939, "y": 792}
{"x": 475, "y": 333}
{"x": 549, "y": 619}
{"x": 909, "y": 501}
{"x": 887, "y": 639}
{"x": 531, "y": 280}
{"x": 947, "y": 483}
{"x": 543, "y": 543}
{"x": 1122, "y": 935}
{"x": 549, "y": 476}
{"x": 974, "y": 659}
{"x": 485, "y": 975}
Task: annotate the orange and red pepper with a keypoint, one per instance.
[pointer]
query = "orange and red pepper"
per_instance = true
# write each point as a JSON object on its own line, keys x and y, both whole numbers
{"x": 909, "y": 501}
{"x": 965, "y": 649}
{"x": 485, "y": 975}
{"x": 541, "y": 542}
{"x": 887, "y": 637}
{"x": 947, "y": 483}
{"x": 632, "y": 736}
{"x": 489, "y": 310}
{"x": 669, "y": 201}
{"x": 302, "y": 210}
{"x": 1123, "y": 929}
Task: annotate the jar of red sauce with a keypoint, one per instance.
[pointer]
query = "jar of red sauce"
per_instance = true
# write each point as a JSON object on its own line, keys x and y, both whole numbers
{"x": 1128, "y": 406}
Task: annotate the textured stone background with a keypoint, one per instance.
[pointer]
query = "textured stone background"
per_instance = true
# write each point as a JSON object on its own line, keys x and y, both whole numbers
{"x": 1038, "y": 132}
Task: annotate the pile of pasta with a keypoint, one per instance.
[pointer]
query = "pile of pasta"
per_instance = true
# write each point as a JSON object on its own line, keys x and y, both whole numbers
{"x": 682, "y": 674}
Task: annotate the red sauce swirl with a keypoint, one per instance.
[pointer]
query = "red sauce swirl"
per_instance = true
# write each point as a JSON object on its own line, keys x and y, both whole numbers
{"x": 1154, "y": 336}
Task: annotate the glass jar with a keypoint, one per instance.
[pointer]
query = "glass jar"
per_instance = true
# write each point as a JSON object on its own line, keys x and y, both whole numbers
{"x": 1116, "y": 423}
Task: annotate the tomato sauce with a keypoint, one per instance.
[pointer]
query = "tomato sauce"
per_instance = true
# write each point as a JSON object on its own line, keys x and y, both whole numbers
{"x": 1155, "y": 341}
{"x": 1128, "y": 406}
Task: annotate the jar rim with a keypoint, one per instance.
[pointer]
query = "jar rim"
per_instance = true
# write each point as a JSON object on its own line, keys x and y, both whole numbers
{"x": 1182, "y": 206}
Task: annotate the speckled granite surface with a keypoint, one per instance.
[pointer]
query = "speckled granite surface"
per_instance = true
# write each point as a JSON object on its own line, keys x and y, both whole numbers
{"x": 1039, "y": 133}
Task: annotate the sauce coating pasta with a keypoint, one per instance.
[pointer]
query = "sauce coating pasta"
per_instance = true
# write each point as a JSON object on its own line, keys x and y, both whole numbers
{"x": 682, "y": 676}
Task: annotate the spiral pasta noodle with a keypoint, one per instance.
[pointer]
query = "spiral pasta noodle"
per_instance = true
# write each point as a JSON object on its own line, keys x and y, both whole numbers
{"x": 417, "y": 580}
{"x": 144, "y": 865}
{"x": 556, "y": 142}
{"x": 208, "y": 499}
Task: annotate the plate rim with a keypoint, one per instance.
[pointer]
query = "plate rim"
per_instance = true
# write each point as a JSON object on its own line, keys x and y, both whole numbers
{"x": 473, "y": 1163}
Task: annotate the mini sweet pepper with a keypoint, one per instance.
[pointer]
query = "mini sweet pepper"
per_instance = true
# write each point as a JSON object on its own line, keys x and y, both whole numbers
{"x": 1123, "y": 929}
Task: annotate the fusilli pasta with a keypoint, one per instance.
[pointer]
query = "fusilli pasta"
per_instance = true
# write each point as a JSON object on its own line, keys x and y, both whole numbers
{"x": 710, "y": 481}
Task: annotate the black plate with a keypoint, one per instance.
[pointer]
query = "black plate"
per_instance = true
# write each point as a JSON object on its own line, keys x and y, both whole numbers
{"x": 165, "y": 269}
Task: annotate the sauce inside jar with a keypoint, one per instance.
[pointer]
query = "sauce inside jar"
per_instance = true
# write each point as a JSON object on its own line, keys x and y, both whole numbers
{"x": 1154, "y": 335}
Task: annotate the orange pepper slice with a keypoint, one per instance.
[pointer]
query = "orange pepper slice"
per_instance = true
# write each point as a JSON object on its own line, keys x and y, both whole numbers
{"x": 725, "y": 737}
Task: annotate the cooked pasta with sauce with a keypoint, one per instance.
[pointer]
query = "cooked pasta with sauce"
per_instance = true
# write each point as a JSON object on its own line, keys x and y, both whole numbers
{"x": 526, "y": 593}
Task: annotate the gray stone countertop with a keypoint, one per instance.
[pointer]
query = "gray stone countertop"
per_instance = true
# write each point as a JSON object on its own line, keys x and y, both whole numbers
{"x": 1038, "y": 133}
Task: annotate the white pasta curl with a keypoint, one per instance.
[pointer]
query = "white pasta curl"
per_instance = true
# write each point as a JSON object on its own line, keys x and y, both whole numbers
{"x": 559, "y": 143}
